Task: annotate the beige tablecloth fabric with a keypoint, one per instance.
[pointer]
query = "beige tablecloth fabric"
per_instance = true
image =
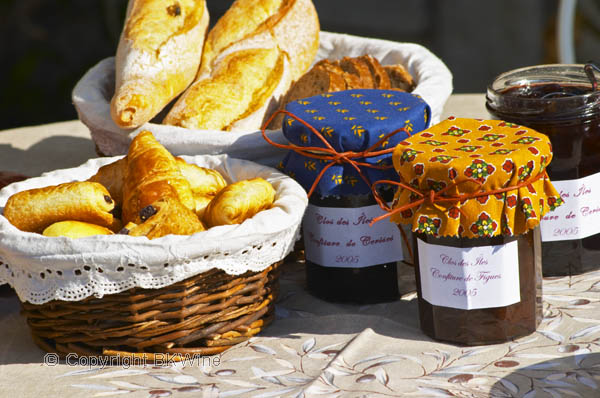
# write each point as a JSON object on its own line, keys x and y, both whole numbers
{"x": 315, "y": 348}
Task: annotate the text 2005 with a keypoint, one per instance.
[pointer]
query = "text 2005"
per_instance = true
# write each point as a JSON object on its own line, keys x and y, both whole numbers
{"x": 566, "y": 231}
{"x": 347, "y": 259}
{"x": 465, "y": 292}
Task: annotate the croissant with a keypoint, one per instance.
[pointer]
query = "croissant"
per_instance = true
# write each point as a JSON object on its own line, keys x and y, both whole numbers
{"x": 239, "y": 201}
{"x": 75, "y": 229}
{"x": 201, "y": 202}
{"x": 203, "y": 181}
{"x": 163, "y": 217}
{"x": 112, "y": 176}
{"x": 158, "y": 56}
{"x": 151, "y": 174}
{"x": 35, "y": 209}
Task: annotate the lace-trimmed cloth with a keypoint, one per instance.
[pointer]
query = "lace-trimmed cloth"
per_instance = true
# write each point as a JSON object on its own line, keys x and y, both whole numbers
{"x": 42, "y": 269}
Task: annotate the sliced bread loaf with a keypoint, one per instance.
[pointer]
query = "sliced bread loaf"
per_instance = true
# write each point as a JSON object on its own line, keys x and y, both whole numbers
{"x": 346, "y": 74}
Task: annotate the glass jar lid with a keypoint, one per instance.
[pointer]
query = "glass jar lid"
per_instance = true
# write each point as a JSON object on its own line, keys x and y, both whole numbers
{"x": 553, "y": 92}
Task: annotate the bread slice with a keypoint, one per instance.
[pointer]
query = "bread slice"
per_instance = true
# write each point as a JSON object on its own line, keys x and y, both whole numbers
{"x": 360, "y": 69}
{"x": 363, "y": 72}
{"x": 158, "y": 56}
{"x": 324, "y": 77}
{"x": 380, "y": 77}
{"x": 400, "y": 78}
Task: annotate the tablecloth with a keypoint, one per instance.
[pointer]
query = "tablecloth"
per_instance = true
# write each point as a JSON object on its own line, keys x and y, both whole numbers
{"x": 316, "y": 348}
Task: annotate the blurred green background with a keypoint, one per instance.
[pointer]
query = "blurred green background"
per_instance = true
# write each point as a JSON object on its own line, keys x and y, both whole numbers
{"x": 47, "y": 45}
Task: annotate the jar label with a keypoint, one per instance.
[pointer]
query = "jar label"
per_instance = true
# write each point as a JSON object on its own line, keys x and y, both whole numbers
{"x": 342, "y": 237}
{"x": 579, "y": 216}
{"x": 469, "y": 278}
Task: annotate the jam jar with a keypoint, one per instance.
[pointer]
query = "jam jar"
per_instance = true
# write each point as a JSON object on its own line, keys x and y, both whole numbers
{"x": 342, "y": 275}
{"x": 474, "y": 192}
{"x": 340, "y": 143}
{"x": 563, "y": 102}
{"x": 486, "y": 325}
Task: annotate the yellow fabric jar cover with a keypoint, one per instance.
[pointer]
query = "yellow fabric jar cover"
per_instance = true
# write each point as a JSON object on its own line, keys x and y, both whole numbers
{"x": 474, "y": 178}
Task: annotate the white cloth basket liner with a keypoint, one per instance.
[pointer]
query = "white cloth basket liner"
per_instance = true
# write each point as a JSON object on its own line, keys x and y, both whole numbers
{"x": 93, "y": 92}
{"x": 41, "y": 269}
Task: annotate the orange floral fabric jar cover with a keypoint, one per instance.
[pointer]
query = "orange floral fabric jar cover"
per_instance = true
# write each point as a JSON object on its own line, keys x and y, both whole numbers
{"x": 474, "y": 178}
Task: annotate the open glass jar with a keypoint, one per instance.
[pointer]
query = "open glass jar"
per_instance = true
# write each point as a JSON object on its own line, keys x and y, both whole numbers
{"x": 342, "y": 141}
{"x": 563, "y": 102}
{"x": 474, "y": 192}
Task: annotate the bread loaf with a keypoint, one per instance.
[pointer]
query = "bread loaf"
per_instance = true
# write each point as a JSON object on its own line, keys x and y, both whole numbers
{"x": 251, "y": 56}
{"x": 158, "y": 56}
{"x": 346, "y": 74}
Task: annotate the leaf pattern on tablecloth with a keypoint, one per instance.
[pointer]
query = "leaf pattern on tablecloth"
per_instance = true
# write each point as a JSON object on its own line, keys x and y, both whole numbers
{"x": 561, "y": 359}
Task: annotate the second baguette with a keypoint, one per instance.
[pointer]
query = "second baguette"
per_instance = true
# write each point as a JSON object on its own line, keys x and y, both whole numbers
{"x": 252, "y": 55}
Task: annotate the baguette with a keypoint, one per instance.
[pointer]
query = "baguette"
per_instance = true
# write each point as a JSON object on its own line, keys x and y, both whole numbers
{"x": 251, "y": 57}
{"x": 241, "y": 20}
{"x": 158, "y": 56}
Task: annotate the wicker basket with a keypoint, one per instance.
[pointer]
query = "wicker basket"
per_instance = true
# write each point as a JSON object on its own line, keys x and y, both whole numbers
{"x": 202, "y": 315}
{"x": 92, "y": 94}
{"x": 130, "y": 297}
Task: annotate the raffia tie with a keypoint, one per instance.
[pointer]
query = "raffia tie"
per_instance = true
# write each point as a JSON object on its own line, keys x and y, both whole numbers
{"x": 330, "y": 154}
{"x": 436, "y": 197}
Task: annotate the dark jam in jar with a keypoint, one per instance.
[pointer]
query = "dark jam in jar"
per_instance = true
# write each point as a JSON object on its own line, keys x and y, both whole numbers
{"x": 558, "y": 100}
{"x": 487, "y": 325}
{"x": 363, "y": 285}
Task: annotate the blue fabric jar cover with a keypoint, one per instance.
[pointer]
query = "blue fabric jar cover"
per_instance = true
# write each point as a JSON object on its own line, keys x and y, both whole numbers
{"x": 352, "y": 120}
